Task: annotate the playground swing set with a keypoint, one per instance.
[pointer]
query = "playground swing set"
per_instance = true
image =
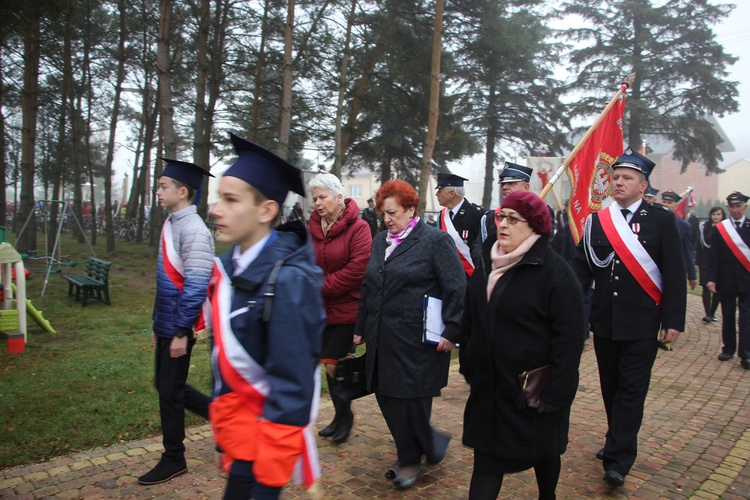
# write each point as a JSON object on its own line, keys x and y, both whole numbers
{"x": 15, "y": 305}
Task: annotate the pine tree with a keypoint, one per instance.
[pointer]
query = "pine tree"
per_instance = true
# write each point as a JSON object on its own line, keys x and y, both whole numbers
{"x": 680, "y": 69}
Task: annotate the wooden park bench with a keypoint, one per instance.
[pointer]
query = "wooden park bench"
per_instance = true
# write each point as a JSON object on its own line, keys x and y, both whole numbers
{"x": 94, "y": 284}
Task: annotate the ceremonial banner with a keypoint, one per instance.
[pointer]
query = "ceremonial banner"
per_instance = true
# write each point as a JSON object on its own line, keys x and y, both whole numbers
{"x": 685, "y": 205}
{"x": 590, "y": 171}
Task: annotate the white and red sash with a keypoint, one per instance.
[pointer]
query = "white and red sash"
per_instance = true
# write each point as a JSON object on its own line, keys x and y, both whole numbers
{"x": 248, "y": 378}
{"x": 631, "y": 252}
{"x": 175, "y": 268}
{"x": 734, "y": 241}
{"x": 463, "y": 249}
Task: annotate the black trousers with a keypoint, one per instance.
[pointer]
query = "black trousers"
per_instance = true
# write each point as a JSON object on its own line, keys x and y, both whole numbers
{"x": 624, "y": 377}
{"x": 175, "y": 396}
{"x": 409, "y": 423}
{"x": 730, "y": 302}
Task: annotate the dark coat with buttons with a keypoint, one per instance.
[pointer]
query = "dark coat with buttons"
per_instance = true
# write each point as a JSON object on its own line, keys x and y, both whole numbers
{"x": 723, "y": 268}
{"x": 534, "y": 318}
{"x": 391, "y": 308}
{"x": 621, "y": 308}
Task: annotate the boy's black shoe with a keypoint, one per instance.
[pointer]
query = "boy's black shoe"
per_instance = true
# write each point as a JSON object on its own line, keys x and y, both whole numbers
{"x": 163, "y": 472}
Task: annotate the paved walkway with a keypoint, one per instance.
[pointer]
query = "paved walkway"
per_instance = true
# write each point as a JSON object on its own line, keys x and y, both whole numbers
{"x": 695, "y": 443}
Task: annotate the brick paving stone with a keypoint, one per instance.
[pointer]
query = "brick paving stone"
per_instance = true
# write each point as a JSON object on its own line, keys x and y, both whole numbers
{"x": 694, "y": 443}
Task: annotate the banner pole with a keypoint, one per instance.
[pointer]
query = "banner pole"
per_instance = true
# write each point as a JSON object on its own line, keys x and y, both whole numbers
{"x": 623, "y": 87}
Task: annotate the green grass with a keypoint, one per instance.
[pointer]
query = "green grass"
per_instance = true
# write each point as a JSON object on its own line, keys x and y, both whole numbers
{"x": 90, "y": 385}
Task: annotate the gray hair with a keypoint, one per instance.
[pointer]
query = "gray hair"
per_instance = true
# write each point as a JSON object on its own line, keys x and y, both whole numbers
{"x": 328, "y": 182}
{"x": 459, "y": 190}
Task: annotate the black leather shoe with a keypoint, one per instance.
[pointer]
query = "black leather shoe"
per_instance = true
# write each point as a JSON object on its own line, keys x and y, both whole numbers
{"x": 706, "y": 319}
{"x": 440, "y": 447}
{"x": 406, "y": 477}
{"x": 725, "y": 356}
{"x": 163, "y": 472}
{"x": 614, "y": 478}
{"x": 746, "y": 364}
{"x": 392, "y": 472}
{"x": 600, "y": 454}
{"x": 714, "y": 319}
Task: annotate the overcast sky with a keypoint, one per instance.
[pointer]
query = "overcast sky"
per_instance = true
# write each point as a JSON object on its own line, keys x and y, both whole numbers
{"x": 734, "y": 35}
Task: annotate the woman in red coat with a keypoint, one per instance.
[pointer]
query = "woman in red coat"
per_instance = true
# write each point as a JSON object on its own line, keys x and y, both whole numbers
{"x": 342, "y": 243}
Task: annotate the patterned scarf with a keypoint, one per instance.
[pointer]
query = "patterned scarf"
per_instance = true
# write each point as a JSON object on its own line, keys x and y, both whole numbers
{"x": 502, "y": 261}
{"x": 395, "y": 240}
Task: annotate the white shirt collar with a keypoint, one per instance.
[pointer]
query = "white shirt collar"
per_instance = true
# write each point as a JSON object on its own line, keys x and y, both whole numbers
{"x": 242, "y": 261}
{"x": 633, "y": 208}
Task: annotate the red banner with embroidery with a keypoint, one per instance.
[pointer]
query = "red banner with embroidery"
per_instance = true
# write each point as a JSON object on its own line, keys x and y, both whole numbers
{"x": 590, "y": 171}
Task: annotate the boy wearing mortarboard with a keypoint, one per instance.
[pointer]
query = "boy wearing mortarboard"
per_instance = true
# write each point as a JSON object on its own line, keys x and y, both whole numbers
{"x": 182, "y": 274}
{"x": 267, "y": 319}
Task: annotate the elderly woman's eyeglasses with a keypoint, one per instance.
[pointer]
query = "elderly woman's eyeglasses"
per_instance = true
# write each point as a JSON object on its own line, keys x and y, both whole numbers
{"x": 511, "y": 219}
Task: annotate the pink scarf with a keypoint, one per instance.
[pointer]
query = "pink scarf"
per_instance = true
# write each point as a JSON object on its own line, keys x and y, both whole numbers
{"x": 395, "y": 240}
{"x": 502, "y": 261}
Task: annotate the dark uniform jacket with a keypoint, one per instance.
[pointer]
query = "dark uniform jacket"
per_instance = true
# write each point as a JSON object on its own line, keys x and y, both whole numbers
{"x": 391, "y": 312}
{"x": 534, "y": 318}
{"x": 723, "y": 268}
{"x": 467, "y": 222}
{"x": 621, "y": 308}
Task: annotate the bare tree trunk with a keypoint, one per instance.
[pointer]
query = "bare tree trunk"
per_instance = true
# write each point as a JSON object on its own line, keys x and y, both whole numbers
{"x": 432, "y": 121}
{"x": 285, "y": 111}
{"x": 3, "y": 152}
{"x": 339, "y": 155}
{"x": 30, "y": 103}
{"x": 259, "y": 73}
{"x": 110, "y": 228}
{"x": 201, "y": 135}
{"x": 86, "y": 80}
{"x": 489, "y": 156}
{"x": 163, "y": 65}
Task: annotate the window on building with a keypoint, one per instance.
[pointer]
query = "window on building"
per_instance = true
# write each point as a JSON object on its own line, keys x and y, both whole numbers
{"x": 355, "y": 190}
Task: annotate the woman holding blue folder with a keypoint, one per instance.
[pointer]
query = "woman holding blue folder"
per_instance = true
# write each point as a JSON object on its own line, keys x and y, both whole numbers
{"x": 407, "y": 262}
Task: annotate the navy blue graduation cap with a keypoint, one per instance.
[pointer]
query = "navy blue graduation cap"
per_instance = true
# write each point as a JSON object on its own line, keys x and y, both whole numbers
{"x": 513, "y": 172}
{"x": 189, "y": 174}
{"x": 445, "y": 180}
{"x": 635, "y": 160}
{"x": 265, "y": 171}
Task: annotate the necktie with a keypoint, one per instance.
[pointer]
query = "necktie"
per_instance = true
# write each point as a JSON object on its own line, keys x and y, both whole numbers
{"x": 737, "y": 223}
{"x": 625, "y": 213}
{"x": 450, "y": 212}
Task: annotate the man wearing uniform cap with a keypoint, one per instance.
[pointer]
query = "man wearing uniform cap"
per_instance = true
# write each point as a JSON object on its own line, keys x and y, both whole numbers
{"x": 459, "y": 218}
{"x": 670, "y": 199}
{"x": 729, "y": 275}
{"x": 265, "y": 357}
{"x": 650, "y": 194}
{"x": 186, "y": 255}
{"x": 631, "y": 252}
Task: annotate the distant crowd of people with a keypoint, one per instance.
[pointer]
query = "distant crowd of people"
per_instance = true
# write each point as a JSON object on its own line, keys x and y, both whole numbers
{"x": 516, "y": 297}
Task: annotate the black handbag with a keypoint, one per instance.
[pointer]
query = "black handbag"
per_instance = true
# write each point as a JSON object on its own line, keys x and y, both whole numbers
{"x": 350, "y": 379}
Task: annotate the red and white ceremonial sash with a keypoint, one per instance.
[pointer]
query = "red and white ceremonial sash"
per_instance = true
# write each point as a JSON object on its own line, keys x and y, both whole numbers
{"x": 463, "y": 249}
{"x": 247, "y": 378}
{"x": 631, "y": 252}
{"x": 174, "y": 267}
{"x": 734, "y": 241}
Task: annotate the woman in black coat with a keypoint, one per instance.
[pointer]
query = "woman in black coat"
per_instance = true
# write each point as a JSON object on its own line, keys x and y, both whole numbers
{"x": 710, "y": 300}
{"x": 408, "y": 262}
{"x": 524, "y": 310}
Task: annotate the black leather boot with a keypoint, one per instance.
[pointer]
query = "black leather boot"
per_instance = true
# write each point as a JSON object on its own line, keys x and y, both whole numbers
{"x": 346, "y": 419}
{"x": 331, "y": 428}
